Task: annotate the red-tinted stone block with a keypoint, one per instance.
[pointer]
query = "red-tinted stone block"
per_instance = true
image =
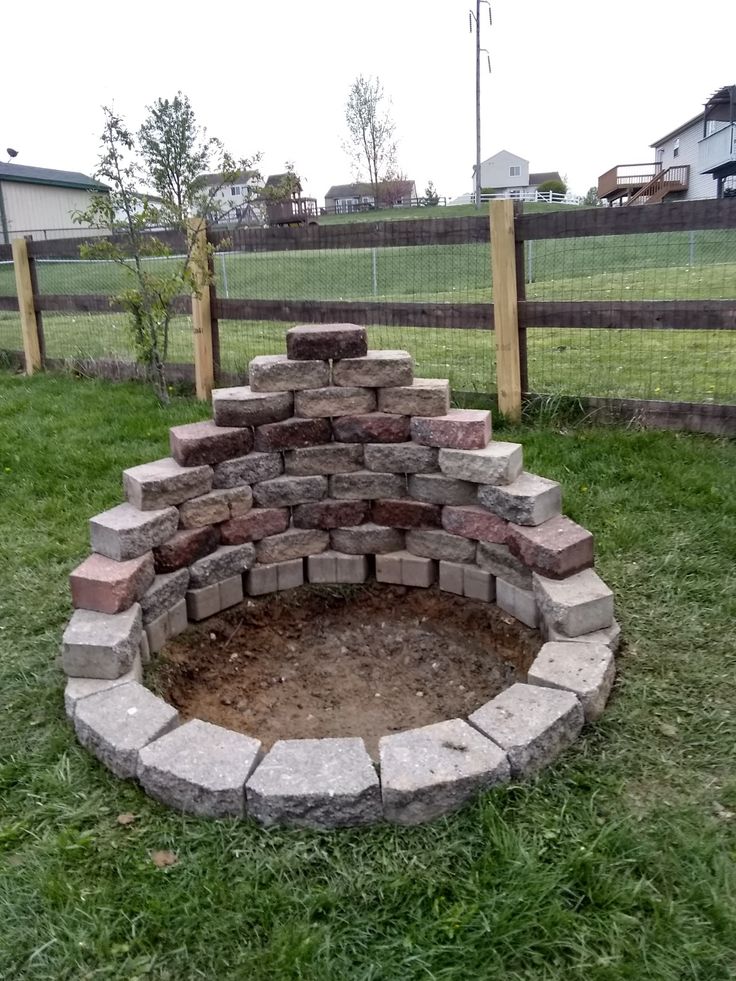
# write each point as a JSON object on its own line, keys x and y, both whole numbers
{"x": 406, "y": 514}
{"x": 109, "y": 586}
{"x": 320, "y": 342}
{"x": 460, "y": 429}
{"x": 475, "y": 522}
{"x": 255, "y": 525}
{"x": 330, "y": 514}
{"x": 556, "y": 549}
{"x": 197, "y": 443}
{"x": 291, "y": 434}
{"x": 185, "y": 547}
{"x": 374, "y": 427}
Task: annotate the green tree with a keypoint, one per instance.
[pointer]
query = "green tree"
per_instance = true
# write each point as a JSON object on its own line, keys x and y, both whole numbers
{"x": 431, "y": 198}
{"x": 131, "y": 218}
{"x": 556, "y": 186}
{"x": 591, "y": 198}
{"x": 371, "y": 129}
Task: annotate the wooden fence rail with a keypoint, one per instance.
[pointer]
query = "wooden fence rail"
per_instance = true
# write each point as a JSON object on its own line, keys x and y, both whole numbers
{"x": 507, "y": 233}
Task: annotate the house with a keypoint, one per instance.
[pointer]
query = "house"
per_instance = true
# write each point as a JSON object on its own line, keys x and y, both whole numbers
{"x": 284, "y": 203}
{"x": 508, "y": 175}
{"x": 361, "y": 196}
{"x": 39, "y": 202}
{"x": 696, "y": 160}
{"x": 233, "y": 201}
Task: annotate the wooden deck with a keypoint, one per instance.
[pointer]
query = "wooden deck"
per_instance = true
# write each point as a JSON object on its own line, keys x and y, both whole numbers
{"x": 643, "y": 183}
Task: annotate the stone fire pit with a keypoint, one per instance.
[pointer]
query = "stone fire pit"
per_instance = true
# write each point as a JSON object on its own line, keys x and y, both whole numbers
{"x": 335, "y": 465}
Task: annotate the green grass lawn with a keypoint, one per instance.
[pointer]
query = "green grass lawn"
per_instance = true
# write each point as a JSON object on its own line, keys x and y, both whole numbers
{"x": 619, "y": 862}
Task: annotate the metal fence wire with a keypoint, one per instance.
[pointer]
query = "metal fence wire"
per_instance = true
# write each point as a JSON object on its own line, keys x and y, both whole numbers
{"x": 668, "y": 365}
{"x": 10, "y": 332}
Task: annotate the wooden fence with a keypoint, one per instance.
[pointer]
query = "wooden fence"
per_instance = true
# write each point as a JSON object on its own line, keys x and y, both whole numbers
{"x": 510, "y": 316}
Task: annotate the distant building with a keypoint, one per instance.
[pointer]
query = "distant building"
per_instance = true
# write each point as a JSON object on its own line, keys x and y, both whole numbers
{"x": 233, "y": 202}
{"x": 39, "y": 202}
{"x": 361, "y": 196}
{"x": 508, "y": 175}
{"x": 694, "y": 161}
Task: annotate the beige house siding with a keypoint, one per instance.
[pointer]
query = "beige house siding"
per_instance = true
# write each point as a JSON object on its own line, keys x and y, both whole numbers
{"x": 686, "y": 141}
{"x": 43, "y": 211}
{"x": 496, "y": 171}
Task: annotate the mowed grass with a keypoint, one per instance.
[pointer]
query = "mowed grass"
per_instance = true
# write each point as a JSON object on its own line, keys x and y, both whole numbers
{"x": 618, "y": 862}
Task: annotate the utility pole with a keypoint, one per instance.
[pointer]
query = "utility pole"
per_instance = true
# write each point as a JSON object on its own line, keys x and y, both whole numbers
{"x": 475, "y": 17}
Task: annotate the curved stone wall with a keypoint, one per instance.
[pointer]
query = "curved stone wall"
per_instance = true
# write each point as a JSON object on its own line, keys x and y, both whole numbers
{"x": 333, "y": 465}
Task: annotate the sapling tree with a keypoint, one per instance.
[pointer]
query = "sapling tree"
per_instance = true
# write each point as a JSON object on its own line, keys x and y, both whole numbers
{"x": 169, "y": 158}
{"x": 371, "y": 141}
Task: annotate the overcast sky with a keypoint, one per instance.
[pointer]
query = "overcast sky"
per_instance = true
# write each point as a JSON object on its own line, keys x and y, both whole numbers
{"x": 576, "y": 86}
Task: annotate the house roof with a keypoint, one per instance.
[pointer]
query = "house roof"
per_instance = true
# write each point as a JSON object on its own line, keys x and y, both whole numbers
{"x": 214, "y": 179}
{"x": 51, "y": 178}
{"x": 362, "y": 187}
{"x": 544, "y": 176}
{"x": 506, "y": 153}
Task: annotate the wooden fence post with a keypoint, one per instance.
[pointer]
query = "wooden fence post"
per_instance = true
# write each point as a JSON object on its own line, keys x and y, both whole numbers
{"x": 505, "y": 309}
{"x": 204, "y": 369}
{"x": 27, "y": 306}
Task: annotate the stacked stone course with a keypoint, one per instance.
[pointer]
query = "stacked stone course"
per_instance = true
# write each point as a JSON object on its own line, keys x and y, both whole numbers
{"x": 333, "y": 464}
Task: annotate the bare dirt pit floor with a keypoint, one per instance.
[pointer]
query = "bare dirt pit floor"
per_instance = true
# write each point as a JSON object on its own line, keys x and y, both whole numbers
{"x": 343, "y": 661}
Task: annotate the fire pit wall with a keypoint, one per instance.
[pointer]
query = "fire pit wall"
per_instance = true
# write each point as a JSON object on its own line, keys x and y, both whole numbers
{"x": 333, "y": 465}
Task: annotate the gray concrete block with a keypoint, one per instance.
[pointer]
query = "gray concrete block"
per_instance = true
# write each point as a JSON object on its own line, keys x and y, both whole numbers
{"x": 124, "y": 532}
{"x": 262, "y": 579}
{"x": 327, "y": 403}
{"x": 587, "y": 670}
{"x": 219, "y": 505}
{"x": 231, "y": 591}
{"x": 223, "y": 563}
{"x": 315, "y": 783}
{"x": 178, "y": 620}
{"x": 367, "y": 539}
{"x": 250, "y": 469}
{"x": 365, "y": 485}
{"x": 337, "y": 567}
{"x": 433, "y": 770}
{"x": 290, "y": 575}
{"x": 576, "y": 605}
{"x": 327, "y": 458}
{"x": 401, "y": 458}
{"x": 499, "y": 561}
{"x": 78, "y": 688}
{"x": 157, "y": 632}
{"x": 610, "y": 636}
{"x": 436, "y": 488}
{"x": 496, "y": 463}
{"x": 101, "y": 645}
{"x": 388, "y": 568}
{"x": 145, "y": 650}
{"x": 378, "y": 369}
{"x": 296, "y": 543}
{"x": 288, "y": 491}
{"x": 243, "y": 407}
{"x": 478, "y": 584}
{"x": 518, "y": 603}
{"x": 156, "y": 485}
{"x": 164, "y": 593}
{"x": 199, "y": 769}
{"x": 529, "y": 500}
{"x": 203, "y": 603}
{"x": 117, "y": 723}
{"x": 440, "y": 545}
{"x": 424, "y": 397}
{"x": 533, "y": 725}
{"x": 417, "y": 571}
{"x": 452, "y": 577}
{"x": 276, "y": 373}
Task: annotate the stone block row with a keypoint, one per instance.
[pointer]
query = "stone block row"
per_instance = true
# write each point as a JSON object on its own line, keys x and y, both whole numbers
{"x": 203, "y": 769}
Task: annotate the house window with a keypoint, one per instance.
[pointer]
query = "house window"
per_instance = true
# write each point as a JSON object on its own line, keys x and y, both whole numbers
{"x": 515, "y": 171}
{"x": 676, "y": 149}
{"x": 235, "y": 190}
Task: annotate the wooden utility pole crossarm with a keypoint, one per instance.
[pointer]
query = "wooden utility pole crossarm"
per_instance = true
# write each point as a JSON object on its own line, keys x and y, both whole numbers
{"x": 27, "y": 306}
{"x": 505, "y": 309}
{"x": 204, "y": 371}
